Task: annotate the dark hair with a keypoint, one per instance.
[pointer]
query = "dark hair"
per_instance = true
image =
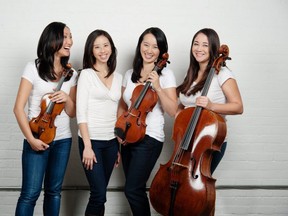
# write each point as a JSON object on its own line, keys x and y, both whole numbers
{"x": 192, "y": 72}
{"x": 138, "y": 61}
{"x": 89, "y": 59}
{"x": 51, "y": 40}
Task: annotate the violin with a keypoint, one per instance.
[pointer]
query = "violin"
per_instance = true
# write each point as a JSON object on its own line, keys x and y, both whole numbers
{"x": 131, "y": 126}
{"x": 42, "y": 126}
{"x": 184, "y": 185}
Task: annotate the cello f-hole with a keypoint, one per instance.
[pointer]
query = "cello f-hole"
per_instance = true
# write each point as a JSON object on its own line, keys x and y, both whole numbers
{"x": 193, "y": 169}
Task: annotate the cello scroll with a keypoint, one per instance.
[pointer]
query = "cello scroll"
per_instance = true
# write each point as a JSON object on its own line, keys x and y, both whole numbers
{"x": 223, "y": 56}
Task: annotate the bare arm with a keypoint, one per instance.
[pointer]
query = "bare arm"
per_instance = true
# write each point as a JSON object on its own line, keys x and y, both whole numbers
{"x": 168, "y": 100}
{"x": 21, "y": 117}
{"x": 122, "y": 107}
{"x": 168, "y": 96}
{"x": 234, "y": 104}
{"x": 88, "y": 154}
{"x": 70, "y": 106}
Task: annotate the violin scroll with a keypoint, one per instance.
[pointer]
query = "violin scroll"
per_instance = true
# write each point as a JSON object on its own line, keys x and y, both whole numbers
{"x": 67, "y": 70}
{"x": 162, "y": 62}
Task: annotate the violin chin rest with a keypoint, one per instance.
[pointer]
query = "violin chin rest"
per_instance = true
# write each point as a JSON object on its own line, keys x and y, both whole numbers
{"x": 119, "y": 133}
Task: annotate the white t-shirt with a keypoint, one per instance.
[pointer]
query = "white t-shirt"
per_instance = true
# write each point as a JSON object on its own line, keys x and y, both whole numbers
{"x": 39, "y": 89}
{"x": 97, "y": 105}
{"x": 155, "y": 118}
{"x": 215, "y": 93}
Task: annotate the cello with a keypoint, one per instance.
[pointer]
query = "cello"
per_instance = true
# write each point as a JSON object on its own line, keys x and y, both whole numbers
{"x": 131, "y": 126}
{"x": 42, "y": 126}
{"x": 184, "y": 185}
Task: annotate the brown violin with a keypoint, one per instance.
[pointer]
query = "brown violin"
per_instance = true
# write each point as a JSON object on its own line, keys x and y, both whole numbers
{"x": 43, "y": 126}
{"x": 184, "y": 186}
{"x": 131, "y": 126}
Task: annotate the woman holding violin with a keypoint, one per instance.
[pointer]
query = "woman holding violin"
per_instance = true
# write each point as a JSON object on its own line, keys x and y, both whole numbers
{"x": 46, "y": 161}
{"x": 140, "y": 157}
{"x": 98, "y": 95}
{"x": 223, "y": 95}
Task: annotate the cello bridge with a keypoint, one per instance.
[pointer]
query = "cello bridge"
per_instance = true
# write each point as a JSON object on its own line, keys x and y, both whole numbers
{"x": 181, "y": 165}
{"x": 132, "y": 114}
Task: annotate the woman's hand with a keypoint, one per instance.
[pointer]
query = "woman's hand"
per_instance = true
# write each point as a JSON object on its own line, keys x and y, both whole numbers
{"x": 117, "y": 162}
{"x": 154, "y": 79}
{"x": 89, "y": 158}
{"x": 122, "y": 142}
{"x": 59, "y": 97}
{"x": 204, "y": 102}
{"x": 38, "y": 145}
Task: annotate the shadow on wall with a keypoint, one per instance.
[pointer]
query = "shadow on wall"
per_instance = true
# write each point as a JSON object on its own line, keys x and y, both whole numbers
{"x": 75, "y": 175}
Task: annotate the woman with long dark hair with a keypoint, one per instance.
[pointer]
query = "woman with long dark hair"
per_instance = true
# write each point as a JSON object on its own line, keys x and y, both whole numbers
{"x": 98, "y": 94}
{"x": 139, "y": 158}
{"x": 223, "y": 97}
{"x": 46, "y": 161}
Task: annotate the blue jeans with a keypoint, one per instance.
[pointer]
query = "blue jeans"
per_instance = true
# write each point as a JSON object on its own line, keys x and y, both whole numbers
{"x": 217, "y": 157}
{"x": 49, "y": 165}
{"x": 138, "y": 161}
{"x": 98, "y": 178}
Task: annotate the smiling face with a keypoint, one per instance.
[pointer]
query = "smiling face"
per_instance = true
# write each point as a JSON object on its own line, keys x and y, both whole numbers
{"x": 149, "y": 49}
{"x": 102, "y": 49}
{"x": 200, "y": 49}
{"x": 67, "y": 44}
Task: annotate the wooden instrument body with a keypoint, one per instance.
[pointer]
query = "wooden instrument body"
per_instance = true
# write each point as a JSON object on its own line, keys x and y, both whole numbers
{"x": 131, "y": 125}
{"x": 43, "y": 126}
{"x": 133, "y": 120}
{"x": 190, "y": 173}
{"x": 184, "y": 186}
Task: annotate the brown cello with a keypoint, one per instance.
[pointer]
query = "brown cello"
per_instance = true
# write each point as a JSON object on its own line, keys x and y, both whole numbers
{"x": 43, "y": 126}
{"x": 184, "y": 185}
{"x": 131, "y": 126}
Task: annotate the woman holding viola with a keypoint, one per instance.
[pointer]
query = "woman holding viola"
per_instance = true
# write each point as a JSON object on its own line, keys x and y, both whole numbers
{"x": 140, "y": 157}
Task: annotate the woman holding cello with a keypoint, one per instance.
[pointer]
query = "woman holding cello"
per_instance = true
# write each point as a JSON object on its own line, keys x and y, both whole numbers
{"x": 140, "y": 157}
{"x": 40, "y": 160}
{"x": 184, "y": 186}
{"x": 223, "y": 96}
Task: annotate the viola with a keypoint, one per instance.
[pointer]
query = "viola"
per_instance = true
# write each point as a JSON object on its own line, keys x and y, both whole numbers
{"x": 42, "y": 126}
{"x": 184, "y": 185}
{"x": 131, "y": 126}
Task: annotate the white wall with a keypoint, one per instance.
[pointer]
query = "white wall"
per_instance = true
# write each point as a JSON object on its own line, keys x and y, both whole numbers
{"x": 254, "y": 171}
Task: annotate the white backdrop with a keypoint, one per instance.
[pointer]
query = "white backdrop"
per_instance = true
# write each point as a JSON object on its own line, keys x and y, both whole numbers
{"x": 255, "y": 31}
